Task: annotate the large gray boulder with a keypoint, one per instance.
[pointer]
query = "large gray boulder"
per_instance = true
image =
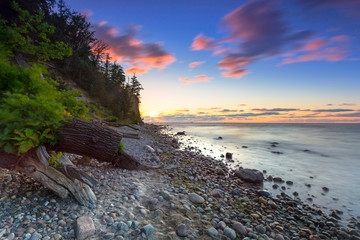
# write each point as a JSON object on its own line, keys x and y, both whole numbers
{"x": 250, "y": 175}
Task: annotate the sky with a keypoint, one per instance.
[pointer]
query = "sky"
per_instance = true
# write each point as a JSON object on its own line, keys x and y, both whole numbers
{"x": 236, "y": 61}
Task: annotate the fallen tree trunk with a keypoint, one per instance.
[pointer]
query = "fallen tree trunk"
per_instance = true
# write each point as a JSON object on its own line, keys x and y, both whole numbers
{"x": 79, "y": 137}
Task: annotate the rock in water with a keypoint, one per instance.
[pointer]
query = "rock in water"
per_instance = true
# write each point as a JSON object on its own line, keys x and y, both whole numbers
{"x": 84, "y": 227}
{"x": 250, "y": 175}
{"x": 228, "y": 155}
{"x": 180, "y": 133}
{"x": 195, "y": 198}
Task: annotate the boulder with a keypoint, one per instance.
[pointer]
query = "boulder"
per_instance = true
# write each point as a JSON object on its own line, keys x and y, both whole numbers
{"x": 250, "y": 175}
{"x": 228, "y": 155}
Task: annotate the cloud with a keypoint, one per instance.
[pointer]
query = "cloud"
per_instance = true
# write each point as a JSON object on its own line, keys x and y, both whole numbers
{"x": 351, "y": 6}
{"x": 241, "y": 105}
{"x": 127, "y": 48}
{"x": 334, "y": 49}
{"x": 198, "y": 78}
{"x": 195, "y": 64}
{"x": 227, "y": 110}
{"x": 333, "y": 110}
{"x": 260, "y": 31}
{"x": 348, "y": 104}
{"x": 183, "y": 110}
{"x": 202, "y": 42}
{"x": 274, "y": 109}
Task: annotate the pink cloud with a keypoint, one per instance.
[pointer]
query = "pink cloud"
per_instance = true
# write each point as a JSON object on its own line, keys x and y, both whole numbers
{"x": 202, "y": 42}
{"x": 127, "y": 48}
{"x": 198, "y": 78}
{"x": 334, "y": 49}
{"x": 195, "y": 64}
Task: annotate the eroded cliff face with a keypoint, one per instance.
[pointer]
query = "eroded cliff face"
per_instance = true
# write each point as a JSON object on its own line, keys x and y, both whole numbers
{"x": 134, "y": 107}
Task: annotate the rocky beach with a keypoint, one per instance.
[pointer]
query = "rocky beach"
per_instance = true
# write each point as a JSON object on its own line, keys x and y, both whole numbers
{"x": 190, "y": 196}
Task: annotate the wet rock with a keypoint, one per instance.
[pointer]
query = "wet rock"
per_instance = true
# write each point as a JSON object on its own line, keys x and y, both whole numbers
{"x": 308, "y": 185}
{"x": 250, "y": 175}
{"x": 277, "y": 152}
{"x": 278, "y": 179}
{"x": 195, "y": 198}
{"x": 244, "y": 146}
{"x": 275, "y": 186}
{"x": 325, "y": 189}
{"x": 181, "y": 133}
{"x": 289, "y": 182}
{"x": 228, "y": 155}
{"x": 84, "y": 227}
{"x": 264, "y": 193}
{"x": 181, "y": 230}
{"x": 295, "y": 193}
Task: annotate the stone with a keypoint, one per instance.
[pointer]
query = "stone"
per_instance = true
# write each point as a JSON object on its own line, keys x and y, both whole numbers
{"x": 11, "y": 236}
{"x": 216, "y": 193}
{"x": 289, "y": 182}
{"x": 261, "y": 229}
{"x": 149, "y": 149}
{"x": 278, "y": 179}
{"x": 264, "y": 193}
{"x": 123, "y": 226}
{"x": 147, "y": 229}
{"x": 230, "y": 233}
{"x": 228, "y": 155}
{"x": 166, "y": 195}
{"x": 58, "y": 236}
{"x": 195, "y": 198}
{"x": 238, "y": 227}
{"x": 250, "y": 175}
{"x": 36, "y": 236}
{"x": 181, "y": 133}
{"x": 325, "y": 189}
{"x": 213, "y": 232}
{"x": 84, "y": 227}
{"x": 181, "y": 230}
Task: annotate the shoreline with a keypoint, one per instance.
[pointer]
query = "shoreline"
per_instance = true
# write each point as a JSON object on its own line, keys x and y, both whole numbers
{"x": 191, "y": 197}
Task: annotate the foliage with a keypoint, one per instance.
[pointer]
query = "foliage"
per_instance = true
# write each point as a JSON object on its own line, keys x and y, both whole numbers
{"x": 31, "y": 108}
{"x": 30, "y": 36}
{"x": 120, "y": 148}
{"x": 53, "y": 160}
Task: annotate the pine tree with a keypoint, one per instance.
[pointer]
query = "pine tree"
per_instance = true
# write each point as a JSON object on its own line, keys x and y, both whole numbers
{"x": 135, "y": 86}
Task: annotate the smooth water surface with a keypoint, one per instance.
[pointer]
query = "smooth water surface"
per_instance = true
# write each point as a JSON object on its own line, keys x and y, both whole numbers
{"x": 322, "y": 155}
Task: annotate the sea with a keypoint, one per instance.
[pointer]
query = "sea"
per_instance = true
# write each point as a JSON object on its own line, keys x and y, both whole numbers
{"x": 312, "y": 156}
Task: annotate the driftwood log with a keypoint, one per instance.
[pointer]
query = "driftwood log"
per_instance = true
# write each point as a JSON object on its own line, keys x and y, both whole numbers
{"x": 79, "y": 137}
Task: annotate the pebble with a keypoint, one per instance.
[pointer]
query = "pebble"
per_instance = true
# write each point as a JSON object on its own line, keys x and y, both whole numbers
{"x": 195, "y": 198}
{"x": 147, "y": 229}
{"x": 230, "y": 233}
{"x": 238, "y": 227}
{"x": 213, "y": 232}
{"x": 181, "y": 230}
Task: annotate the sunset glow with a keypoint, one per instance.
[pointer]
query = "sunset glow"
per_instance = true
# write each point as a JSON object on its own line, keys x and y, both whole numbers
{"x": 236, "y": 61}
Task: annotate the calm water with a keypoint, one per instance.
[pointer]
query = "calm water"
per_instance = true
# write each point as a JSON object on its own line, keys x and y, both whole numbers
{"x": 323, "y": 155}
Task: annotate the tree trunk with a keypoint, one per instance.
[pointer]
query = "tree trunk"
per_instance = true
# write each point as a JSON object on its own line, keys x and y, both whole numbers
{"x": 79, "y": 137}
